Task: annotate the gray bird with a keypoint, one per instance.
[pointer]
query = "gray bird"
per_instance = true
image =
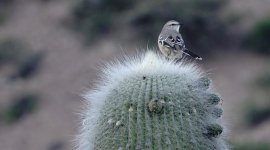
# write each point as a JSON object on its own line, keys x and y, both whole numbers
{"x": 171, "y": 43}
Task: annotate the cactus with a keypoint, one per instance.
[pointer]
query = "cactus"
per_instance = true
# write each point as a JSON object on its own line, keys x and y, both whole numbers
{"x": 152, "y": 103}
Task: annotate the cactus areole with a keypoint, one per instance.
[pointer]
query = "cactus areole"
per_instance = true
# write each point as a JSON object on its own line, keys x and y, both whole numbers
{"x": 152, "y": 103}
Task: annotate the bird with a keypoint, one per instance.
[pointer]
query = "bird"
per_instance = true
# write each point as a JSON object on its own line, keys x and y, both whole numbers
{"x": 171, "y": 43}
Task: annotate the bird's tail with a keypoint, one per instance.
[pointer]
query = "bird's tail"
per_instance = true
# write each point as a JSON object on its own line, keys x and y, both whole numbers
{"x": 193, "y": 55}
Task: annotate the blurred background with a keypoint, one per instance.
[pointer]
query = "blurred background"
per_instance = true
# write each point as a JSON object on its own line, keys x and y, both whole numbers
{"x": 50, "y": 52}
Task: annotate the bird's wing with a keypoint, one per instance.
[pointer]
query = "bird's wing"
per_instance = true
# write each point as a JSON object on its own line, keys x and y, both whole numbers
{"x": 179, "y": 40}
{"x": 166, "y": 41}
{"x": 169, "y": 44}
{"x": 186, "y": 51}
{"x": 173, "y": 40}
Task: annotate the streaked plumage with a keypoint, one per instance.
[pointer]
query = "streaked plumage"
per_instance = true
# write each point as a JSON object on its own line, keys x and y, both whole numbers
{"x": 171, "y": 43}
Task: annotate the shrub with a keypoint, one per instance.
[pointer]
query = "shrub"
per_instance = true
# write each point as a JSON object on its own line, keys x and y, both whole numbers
{"x": 251, "y": 146}
{"x": 20, "y": 107}
{"x": 11, "y": 51}
{"x": 25, "y": 62}
{"x": 2, "y": 18}
{"x": 29, "y": 66}
{"x": 4, "y": 2}
{"x": 96, "y": 17}
{"x": 257, "y": 114}
{"x": 264, "y": 80}
{"x": 258, "y": 38}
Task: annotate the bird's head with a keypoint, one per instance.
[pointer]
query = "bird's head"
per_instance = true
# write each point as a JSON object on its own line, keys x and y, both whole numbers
{"x": 172, "y": 24}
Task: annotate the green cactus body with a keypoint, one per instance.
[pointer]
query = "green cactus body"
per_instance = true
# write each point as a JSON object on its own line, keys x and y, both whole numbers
{"x": 155, "y": 110}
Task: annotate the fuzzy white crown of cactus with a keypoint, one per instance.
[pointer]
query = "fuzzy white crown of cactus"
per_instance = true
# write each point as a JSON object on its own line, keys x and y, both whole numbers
{"x": 151, "y": 103}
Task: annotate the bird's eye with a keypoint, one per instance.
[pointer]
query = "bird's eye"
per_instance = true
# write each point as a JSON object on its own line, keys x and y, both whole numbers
{"x": 170, "y": 37}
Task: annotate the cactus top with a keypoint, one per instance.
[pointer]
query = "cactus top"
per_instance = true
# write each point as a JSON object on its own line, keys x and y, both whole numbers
{"x": 151, "y": 103}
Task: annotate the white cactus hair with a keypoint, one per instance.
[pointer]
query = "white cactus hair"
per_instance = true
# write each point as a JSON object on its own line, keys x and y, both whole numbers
{"x": 148, "y": 63}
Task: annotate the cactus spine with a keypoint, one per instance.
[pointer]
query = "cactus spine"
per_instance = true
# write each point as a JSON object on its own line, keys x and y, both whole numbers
{"x": 152, "y": 104}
